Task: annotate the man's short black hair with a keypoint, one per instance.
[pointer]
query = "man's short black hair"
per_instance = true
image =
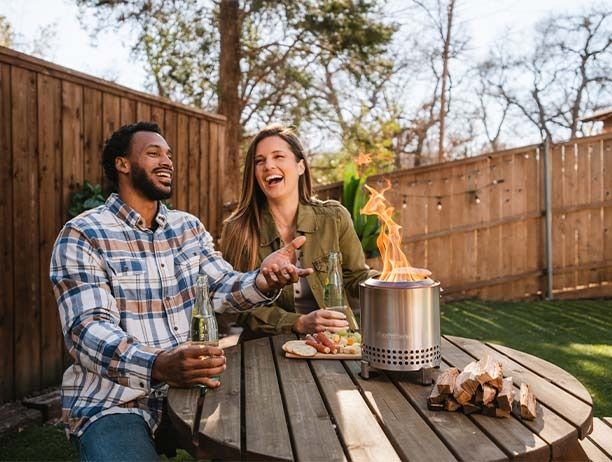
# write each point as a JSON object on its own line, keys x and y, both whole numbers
{"x": 119, "y": 145}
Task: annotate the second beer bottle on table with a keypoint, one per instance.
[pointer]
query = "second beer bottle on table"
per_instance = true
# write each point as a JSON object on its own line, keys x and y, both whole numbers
{"x": 204, "y": 329}
{"x": 334, "y": 290}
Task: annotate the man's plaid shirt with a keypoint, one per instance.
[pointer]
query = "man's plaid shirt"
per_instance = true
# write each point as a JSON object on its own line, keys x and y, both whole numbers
{"x": 125, "y": 293}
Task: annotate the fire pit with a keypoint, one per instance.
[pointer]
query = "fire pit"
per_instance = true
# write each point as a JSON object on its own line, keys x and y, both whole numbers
{"x": 400, "y": 311}
{"x": 401, "y": 327}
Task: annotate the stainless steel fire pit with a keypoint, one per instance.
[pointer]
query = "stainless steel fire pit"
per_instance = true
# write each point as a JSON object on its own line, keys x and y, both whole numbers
{"x": 401, "y": 327}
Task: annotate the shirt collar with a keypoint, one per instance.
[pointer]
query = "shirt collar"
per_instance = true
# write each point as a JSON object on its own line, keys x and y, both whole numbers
{"x": 127, "y": 214}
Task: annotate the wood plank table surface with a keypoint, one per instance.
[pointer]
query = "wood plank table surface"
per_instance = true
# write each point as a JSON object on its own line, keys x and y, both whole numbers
{"x": 274, "y": 408}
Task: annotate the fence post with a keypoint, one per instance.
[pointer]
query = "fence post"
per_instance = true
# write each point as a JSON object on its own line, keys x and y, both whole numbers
{"x": 548, "y": 218}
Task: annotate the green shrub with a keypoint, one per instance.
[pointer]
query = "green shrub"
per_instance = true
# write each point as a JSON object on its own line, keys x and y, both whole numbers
{"x": 88, "y": 197}
{"x": 354, "y": 198}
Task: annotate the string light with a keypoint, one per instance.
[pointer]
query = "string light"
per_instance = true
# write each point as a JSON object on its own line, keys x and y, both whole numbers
{"x": 477, "y": 199}
{"x": 473, "y": 192}
{"x": 439, "y": 204}
{"x": 404, "y": 202}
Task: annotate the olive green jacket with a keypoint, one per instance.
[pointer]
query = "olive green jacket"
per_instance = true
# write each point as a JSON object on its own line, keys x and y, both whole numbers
{"x": 327, "y": 226}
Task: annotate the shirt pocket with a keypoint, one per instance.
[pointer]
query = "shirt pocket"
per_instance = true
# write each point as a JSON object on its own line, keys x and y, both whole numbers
{"x": 128, "y": 278}
{"x": 186, "y": 270}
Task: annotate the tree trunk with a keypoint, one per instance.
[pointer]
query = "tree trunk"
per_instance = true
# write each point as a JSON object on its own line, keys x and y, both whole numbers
{"x": 230, "y": 22}
{"x": 447, "y": 41}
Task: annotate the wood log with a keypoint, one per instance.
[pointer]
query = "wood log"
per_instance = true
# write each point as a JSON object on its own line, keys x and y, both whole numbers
{"x": 466, "y": 385}
{"x": 488, "y": 394}
{"x": 528, "y": 403}
{"x": 470, "y": 408}
{"x": 478, "y": 397}
{"x": 451, "y": 405}
{"x": 492, "y": 411}
{"x": 446, "y": 381}
{"x": 435, "y": 397}
{"x": 506, "y": 395}
{"x": 490, "y": 371}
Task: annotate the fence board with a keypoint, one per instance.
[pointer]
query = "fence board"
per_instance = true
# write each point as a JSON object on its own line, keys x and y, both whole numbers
{"x": 128, "y": 111}
{"x": 582, "y": 217}
{"x": 213, "y": 205}
{"x": 205, "y": 177}
{"x": 143, "y": 112}
{"x": 194, "y": 167}
{"x": 50, "y": 211}
{"x": 92, "y": 136}
{"x": 594, "y": 234}
{"x": 169, "y": 131}
{"x": 7, "y": 376}
{"x": 181, "y": 167}
{"x": 111, "y": 120}
{"x": 72, "y": 163}
{"x": 25, "y": 226}
{"x": 607, "y": 211}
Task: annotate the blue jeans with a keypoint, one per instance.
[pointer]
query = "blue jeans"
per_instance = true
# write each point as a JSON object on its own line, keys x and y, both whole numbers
{"x": 117, "y": 437}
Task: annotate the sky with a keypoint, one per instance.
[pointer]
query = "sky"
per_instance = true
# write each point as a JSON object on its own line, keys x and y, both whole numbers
{"x": 110, "y": 57}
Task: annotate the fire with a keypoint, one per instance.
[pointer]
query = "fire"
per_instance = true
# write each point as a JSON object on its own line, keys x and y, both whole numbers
{"x": 395, "y": 264}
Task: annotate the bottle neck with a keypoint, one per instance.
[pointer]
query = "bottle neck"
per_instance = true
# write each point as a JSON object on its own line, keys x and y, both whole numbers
{"x": 203, "y": 306}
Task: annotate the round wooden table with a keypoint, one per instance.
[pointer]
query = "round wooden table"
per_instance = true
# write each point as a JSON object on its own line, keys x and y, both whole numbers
{"x": 272, "y": 407}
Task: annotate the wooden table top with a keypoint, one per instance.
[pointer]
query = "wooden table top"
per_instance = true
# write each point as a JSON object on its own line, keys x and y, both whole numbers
{"x": 273, "y": 407}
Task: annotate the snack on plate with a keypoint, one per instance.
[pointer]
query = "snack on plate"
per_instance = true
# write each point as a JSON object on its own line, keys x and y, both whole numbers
{"x": 299, "y": 347}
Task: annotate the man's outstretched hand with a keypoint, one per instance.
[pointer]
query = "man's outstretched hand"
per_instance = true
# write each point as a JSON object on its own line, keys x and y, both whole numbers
{"x": 278, "y": 269}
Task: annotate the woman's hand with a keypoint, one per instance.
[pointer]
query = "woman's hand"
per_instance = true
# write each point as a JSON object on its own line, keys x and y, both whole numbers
{"x": 278, "y": 269}
{"x": 319, "y": 321}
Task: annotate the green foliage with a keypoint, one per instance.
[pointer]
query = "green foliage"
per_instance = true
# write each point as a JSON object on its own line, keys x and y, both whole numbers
{"x": 354, "y": 198}
{"x": 88, "y": 197}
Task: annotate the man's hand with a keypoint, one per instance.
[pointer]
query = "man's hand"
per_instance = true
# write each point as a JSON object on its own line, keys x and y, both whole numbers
{"x": 278, "y": 269}
{"x": 319, "y": 321}
{"x": 188, "y": 365}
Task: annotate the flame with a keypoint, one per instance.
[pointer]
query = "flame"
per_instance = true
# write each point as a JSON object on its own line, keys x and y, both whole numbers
{"x": 395, "y": 264}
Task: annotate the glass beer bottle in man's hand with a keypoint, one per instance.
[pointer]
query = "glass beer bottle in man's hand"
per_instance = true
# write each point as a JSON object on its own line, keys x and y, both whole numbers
{"x": 334, "y": 290}
{"x": 204, "y": 329}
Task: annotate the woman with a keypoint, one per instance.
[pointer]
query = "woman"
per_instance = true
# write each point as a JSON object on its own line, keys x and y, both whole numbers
{"x": 276, "y": 205}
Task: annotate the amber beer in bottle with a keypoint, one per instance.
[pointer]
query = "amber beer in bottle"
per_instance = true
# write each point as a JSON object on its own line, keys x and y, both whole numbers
{"x": 204, "y": 329}
{"x": 334, "y": 290}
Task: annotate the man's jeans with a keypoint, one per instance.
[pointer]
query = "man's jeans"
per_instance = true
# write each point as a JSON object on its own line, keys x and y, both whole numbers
{"x": 117, "y": 437}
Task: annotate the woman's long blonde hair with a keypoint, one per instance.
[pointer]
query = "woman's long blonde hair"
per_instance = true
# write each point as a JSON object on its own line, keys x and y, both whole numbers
{"x": 240, "y": 235}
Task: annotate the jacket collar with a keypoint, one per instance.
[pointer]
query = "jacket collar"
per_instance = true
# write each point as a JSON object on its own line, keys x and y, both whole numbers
{"x": 306, "y": 223}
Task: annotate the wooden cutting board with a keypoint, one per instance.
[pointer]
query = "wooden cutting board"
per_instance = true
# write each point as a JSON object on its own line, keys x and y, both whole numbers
{"x": 323, "y": 356}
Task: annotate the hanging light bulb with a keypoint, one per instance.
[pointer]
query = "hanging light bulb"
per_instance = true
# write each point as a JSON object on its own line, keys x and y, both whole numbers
{"x": 404, "y": 203}
{"x": 439, "y": 205}
{"x": 477, "y": 199}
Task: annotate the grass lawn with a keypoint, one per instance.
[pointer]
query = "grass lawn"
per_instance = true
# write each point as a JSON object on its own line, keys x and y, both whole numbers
{"x": 575, "y": 335}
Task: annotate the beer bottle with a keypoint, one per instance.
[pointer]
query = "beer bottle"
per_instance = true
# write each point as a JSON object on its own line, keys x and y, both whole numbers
{"x": 204, "y": 329}
{"x": 333, "y": 297}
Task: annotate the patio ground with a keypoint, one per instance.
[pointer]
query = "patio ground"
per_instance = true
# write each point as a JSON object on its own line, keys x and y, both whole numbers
{"x": 575, "y": 335}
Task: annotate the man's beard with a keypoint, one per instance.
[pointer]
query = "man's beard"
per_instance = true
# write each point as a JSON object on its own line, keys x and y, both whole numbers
{"x": 144, "y": 184}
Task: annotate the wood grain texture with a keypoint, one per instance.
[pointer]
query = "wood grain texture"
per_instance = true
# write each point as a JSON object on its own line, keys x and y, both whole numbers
{"x": 181, "y": 164}
{"x": 309, "y": 422}
{"x": 266, "y": 428}
{"x": 50, "y": 167}
{"x": 92, "y": 136}
{"x": 516, "y": 439}
{"x": 571, "y": 408}
{"x": 602, "y": 436}
{"x": 7, "y": 332}
{"x": 219, "y": 426}
{"x": 27, "y": 328}
{"x": 411, "y": 435}
{"x": 362, "y": 435}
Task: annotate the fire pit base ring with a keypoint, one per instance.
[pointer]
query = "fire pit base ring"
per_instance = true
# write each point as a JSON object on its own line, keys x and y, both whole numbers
{"x": 423, "y": 376}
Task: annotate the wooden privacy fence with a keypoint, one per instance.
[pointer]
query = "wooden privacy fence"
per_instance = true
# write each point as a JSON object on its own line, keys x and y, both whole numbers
{"x": 478, "y": 224}
{"x": 53, "y": 122}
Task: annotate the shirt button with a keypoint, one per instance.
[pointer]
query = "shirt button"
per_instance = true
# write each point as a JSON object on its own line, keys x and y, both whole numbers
{"x": 168, "y": 299}
{"x": 162, "y": 265}
{"x": 175, "y": 327}
{"x": 142, "y": 384}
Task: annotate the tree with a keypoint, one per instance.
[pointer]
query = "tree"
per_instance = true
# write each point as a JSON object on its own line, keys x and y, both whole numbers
{"x": 569, "y": 73}
{"x": 257, "y": 61}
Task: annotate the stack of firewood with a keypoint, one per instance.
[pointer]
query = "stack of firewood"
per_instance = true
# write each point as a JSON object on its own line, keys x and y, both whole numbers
{"x": 480, "y": 387}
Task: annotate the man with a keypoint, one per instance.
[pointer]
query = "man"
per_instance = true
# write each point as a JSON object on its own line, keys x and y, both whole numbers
{"x": 123, "y": 275}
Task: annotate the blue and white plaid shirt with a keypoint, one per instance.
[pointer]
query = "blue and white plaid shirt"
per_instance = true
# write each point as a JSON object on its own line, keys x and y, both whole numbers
{"x": 125, "y": 293}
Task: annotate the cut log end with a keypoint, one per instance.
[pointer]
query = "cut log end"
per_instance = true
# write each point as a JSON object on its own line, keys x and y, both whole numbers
{"x": 528, "y": 402}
